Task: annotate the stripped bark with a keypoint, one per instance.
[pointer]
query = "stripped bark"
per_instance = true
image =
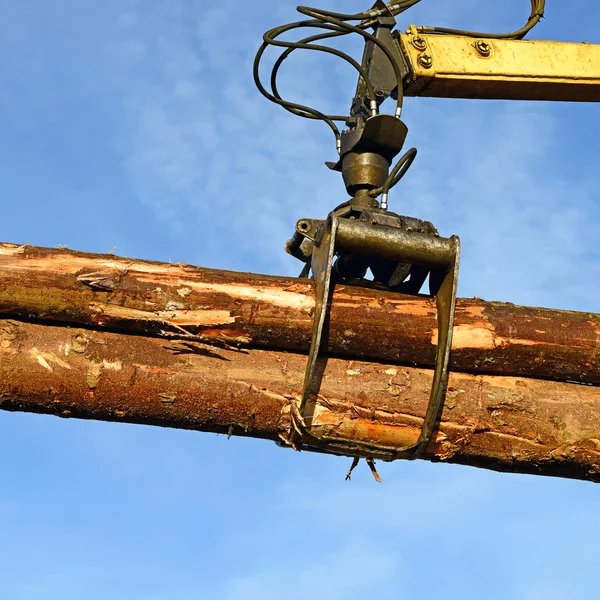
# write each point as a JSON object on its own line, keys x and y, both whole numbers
{"x": 502, "y": 423}
{"x": 256, "y": 311}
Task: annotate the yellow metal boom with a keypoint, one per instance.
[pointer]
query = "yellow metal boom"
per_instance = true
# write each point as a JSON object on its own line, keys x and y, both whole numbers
{"x": 446, "y": 66}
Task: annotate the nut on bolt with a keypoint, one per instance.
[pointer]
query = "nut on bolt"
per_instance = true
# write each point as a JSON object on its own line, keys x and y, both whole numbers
{"x": 419, "y": 42}
{"x": 484, "y": 48}
{"x": 425, "y": 60}
{"x": 303, "y": 226}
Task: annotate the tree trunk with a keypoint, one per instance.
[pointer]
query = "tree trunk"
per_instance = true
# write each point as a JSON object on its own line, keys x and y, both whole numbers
{"x": 223, "y": 308}
{"x": 495, "y": 422}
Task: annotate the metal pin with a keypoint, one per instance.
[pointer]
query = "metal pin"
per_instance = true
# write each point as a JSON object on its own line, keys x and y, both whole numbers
{"x": 384, "y": 202}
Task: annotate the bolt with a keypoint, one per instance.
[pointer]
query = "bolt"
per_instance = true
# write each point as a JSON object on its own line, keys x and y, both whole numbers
{"x": 425, "y": 60}
{"x": 419, "y": 42}
{"x": 483, "y": 47}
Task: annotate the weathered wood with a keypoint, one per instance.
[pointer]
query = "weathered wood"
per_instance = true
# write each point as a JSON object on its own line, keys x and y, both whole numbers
{"x": 503, "y": 423}
{"x": 256, "y": 311}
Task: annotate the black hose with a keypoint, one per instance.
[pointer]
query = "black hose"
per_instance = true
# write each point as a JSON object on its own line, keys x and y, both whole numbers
{"x": 396, "y": 174}
{"x": 317, "y": 14}
{"x": 537, "y": 13}
{"x": 337, "y": 25}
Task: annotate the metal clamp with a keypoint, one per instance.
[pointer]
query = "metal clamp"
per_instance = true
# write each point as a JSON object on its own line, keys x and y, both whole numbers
{"x": 439, "y": 256}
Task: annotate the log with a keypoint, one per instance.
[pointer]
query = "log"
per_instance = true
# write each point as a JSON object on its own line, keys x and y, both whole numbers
{"x": 223, "y": 308}
{"x": 511, "y": 424}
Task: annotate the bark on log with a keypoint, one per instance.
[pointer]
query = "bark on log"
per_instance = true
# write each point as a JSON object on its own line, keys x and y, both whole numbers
{"x": 257, "y": 311}
{"x": 502, "y": 423}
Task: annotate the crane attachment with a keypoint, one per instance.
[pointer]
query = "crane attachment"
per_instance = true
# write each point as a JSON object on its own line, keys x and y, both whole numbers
{"x": 361, "y": 235}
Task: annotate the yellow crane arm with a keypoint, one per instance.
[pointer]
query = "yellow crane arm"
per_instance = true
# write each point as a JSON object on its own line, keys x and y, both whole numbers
{"x": 447, "y": 66}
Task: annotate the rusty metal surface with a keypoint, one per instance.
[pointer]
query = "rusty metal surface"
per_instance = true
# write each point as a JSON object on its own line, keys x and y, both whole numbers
{"x": 501, "y": 423}
{"x": 247, "y": 310}
{"x": 395, "y": 244}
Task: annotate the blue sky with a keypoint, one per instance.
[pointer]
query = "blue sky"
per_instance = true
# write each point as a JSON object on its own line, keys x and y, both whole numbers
{"x": 136, "y": 125}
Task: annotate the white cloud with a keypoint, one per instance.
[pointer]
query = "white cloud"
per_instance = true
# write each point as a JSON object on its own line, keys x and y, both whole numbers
{"x": 219, "y": 164}
{"x": 350, "y": 571}
{"x": 497, "y": 175}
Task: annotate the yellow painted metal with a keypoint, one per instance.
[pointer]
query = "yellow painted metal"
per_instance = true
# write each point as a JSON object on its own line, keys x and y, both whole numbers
{"x": 445, "y": 66}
